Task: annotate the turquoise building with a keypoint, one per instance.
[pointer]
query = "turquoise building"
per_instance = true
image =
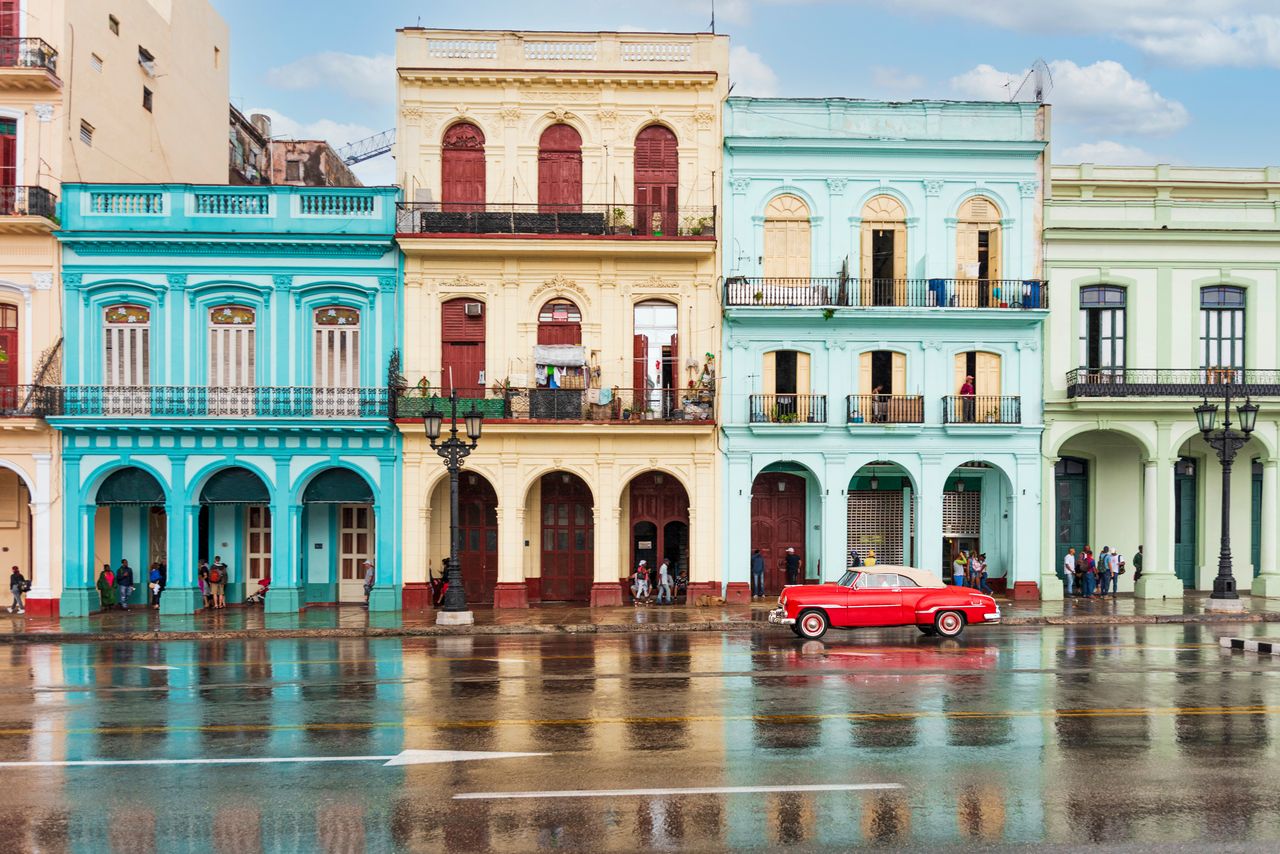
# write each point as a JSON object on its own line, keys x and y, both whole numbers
{"x": 883, "y": 311}
{"x": 226, "y": 358}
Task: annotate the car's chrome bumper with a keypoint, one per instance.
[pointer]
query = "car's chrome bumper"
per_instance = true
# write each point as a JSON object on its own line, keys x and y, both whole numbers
{"x": 992, "y": 616}
{"x": 779, "y": 616}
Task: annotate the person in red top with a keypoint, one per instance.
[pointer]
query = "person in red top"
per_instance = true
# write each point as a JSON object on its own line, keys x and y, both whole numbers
{"x": 967, "y": 392}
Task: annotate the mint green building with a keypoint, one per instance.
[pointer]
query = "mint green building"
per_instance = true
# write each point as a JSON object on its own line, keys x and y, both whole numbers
{"x": 1165, "y": 283}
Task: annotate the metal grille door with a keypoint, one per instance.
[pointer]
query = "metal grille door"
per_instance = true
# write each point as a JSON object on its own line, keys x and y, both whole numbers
{"x": 876, "y": 521}
{"x": 961, "y": 514}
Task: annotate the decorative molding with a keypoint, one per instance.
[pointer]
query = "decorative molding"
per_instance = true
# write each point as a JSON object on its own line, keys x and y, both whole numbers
{"x": 933, "y": 186}
{"x": 608, "y": 116}
{"x": 560, "y": 114}
{"x": 44, "y": 113}
{"x": 461, "y": 109}
{"x": 835, "y": 186}
{"x": 656, "y": 282}
{"x": 510, "y": 115}
{"x": 387, "y": 284}
{"x": 932, "y": 344}
{"x": 560, "y": 284}
{"x": 1028, "y": 345}
{"x": 704, "y": 118}
{"x": 557, "y": 95}
{"x": 253, "y": 248}
{"x": 42, "y": 280}
{"x": 177, "y": 281}
{"x": 1028, "y": 189}
{"x": 72, "y": 281}
{"x": 463, "y": 281}
{"x": 411, "y": 114}
{"x": 284, "y": 283}
{"x": 739, "y": 185}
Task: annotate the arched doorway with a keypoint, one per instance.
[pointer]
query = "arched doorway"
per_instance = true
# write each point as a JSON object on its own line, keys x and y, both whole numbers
{"x": 234, "y": 523}
{"x": 560, "y": 170}
{"x": 15, "y": 524}
{"x": 881, "y": 518}
{"x": 978, "y": 518}
{"x": 657, "y": 508}
{"x": 566, "y": 537}
{"x": 338, "y": 517}
{"x": 131, "y": 524}
{"x": 657, "y": 179}
{"x": 778, "y": 513}
{"x": 477, "y": 534}
{"x": 978, "y": 254}
{"x": 883, "y": 268}
{"x": 462, "y": 169}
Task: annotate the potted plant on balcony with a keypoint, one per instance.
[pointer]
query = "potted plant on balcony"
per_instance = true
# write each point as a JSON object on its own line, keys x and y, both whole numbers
{"x": 655, "y": 223}
{"x": 619, "y": 222}
{"x": 758, "y": 297}
{"x": 691, "y": 227}
{"x": 707, "y": 225}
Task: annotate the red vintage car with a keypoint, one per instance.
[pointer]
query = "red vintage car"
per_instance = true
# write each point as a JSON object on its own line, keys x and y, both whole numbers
{"x": 883, "y": 596}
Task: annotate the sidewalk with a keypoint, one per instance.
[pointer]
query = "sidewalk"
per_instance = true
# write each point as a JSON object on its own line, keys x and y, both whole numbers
{"x": 238, "y": 623}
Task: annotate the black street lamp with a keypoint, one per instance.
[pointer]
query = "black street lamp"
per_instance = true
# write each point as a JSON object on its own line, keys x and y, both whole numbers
{"x": 1226, "y": 442}
{"x": 453, "y": 610}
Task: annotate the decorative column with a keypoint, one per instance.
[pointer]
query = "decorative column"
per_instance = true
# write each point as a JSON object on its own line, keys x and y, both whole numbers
{"x": 415, "y": 593}
{"x": 512, "y": 591}
{"x": 1158, "y": 579}
{"x": 1051, "y": 586}
{"x": 929, "y": 525}
{"x": 1026, "y": 541}
{"x": 181, "y": 593}
{"x": 45, "y": 590}
{"x": 737, "y": 540}
{"x": 1268, "y": 581}
{"x": 79, "y": 598}
{"x": 285, "y": 595}
{"x": 386, "y": 592}
{"x": 607, "y": 588}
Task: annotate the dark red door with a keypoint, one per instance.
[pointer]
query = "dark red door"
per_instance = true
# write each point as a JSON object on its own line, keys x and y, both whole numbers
{"x": 560, "y": 322}
{"x": 9, "y": 25}
{"x": 657, "y": 500}
{"x": 478, "y": 531}
{"x": 777, "y": 523}
{"x": 462, "y": 179}
{"x": 8, "y": 357}
{"x": 560, "y": 170}
{"x": 640, "y": 372}
{"x": 568, "y": 539}
{"x": 462, "y": 346}
{"x": 657, "y": 177}
{"x": 8, "y": 164}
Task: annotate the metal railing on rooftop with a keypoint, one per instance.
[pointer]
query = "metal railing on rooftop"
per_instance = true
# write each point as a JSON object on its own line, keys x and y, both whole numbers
{"x": 537, "y": 219}
{"x": 835, "y": 292}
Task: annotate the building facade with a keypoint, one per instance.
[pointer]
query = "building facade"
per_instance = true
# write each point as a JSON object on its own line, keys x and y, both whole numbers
{"x": 228, "y": 350}
{"x": 883, "y": 312}
{"x": 1165, "y": 288}
{"x": 128, "y": 91}
{"x": 560, "y": 271}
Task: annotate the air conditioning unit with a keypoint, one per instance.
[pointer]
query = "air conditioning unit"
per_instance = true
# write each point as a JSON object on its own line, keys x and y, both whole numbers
{"x": 473, "y": 309}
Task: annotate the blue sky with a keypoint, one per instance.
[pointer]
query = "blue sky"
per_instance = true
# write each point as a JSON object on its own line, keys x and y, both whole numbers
{"x": 1135, "y": 81}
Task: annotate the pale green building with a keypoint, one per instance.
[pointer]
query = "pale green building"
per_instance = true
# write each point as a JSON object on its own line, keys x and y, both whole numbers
{"x": 1165, "y": 284}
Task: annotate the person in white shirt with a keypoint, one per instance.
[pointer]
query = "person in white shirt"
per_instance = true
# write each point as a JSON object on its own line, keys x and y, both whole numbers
{"x": 1069, "y": 571}
{"x": 664, "y": 582}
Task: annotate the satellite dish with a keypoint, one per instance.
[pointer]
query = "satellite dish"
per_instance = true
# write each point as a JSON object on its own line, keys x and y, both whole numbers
{"x": 1036, "y": 85}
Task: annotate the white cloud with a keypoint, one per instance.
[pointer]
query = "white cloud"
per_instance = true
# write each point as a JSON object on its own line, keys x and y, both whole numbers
{"x": 1096, "y": 99}
{"x": 732, "y": 12}
{"x": 366, "y": 78}
{"x": 750, "y": 74}
{"x": 1106, "y": 152}
{"x": 335, "y": 133}
{"x": 897, "y": 83}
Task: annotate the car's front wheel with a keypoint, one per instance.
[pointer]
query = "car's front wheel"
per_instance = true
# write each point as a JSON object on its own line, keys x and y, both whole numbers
{"x": 927, "y": 630}
{"x": 949, "y": 624}
{"x": 812, "y": 625}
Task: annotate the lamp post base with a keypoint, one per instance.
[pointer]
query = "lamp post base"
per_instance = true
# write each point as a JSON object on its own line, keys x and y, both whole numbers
{"x": 455, "y": 618}
{"x": 1235, "y": 606}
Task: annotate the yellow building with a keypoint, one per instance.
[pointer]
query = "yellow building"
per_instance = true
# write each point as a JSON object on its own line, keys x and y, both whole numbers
{"x": 560, "y": 269}
{"x": 126, "y": 91}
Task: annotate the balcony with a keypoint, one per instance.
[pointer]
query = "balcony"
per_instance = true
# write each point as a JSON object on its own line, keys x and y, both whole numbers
{"x": 614, "y": 221}
{"x": 835, "y": 292}
{"x": 28, "y": 63}
{"x": 27, "y": 210}
{"x": 1164, "y": 382}
{"x": 788, "y": 408}
{"x": 981, "y": 409}
{"x": 614, "y": 405}
{"x": 886, "y": 409}
{"x": 207, "y": 402}
{"x": 26, "y": 401}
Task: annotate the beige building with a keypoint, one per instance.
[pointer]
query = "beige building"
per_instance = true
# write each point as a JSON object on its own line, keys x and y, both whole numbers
{"x": 560, "y": 270}
{"x": 118, "y": 91}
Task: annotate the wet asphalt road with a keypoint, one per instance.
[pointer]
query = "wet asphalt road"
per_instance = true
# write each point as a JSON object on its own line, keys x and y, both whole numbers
{"x": 1138, "y": 737}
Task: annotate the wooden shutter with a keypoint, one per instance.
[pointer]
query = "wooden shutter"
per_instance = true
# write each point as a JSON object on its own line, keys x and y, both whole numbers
{"x": 898, "y": 384}
{"x": 675, "y": 362}
{"x": 865, "y": 268}
{"x": 961, "y": 363}
{"x": 656, "y": 174}
{"x": 986, "y": 376}
{"x": 864, "y": 373}
{"x": 787, "y": 238}
{"x": 775, "y": 249}
{"x": 769, "y": 374}
{"x": 10, "y": 26}
{"x": 560, "y": 169}
{"x": 804, "y": 404}
{"x": 640, "y": 371}
{"x": 994, "y": 267}
{"x": 462, "y": 168}
{"x": 900, "y": 262}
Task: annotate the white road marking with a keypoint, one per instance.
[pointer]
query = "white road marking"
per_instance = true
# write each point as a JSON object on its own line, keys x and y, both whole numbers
{"x": 405, "y": 757}
{"x": 651, "y": 793}
{"x": 158, "y": 667}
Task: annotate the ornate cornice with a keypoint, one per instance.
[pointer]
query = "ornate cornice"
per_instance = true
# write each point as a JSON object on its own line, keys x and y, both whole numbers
{"x": 233, "y": 247}
{"x": 387, "y": 284}
{"x": 72, "y": 281}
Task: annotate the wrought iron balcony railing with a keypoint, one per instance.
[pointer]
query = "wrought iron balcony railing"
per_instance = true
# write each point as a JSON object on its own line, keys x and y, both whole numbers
{"x": 886, "y": 409}
{"x": 217, "y": 402}
{"x": 27, "y": 201}
{"x": 539, "y": 220}
{"x": 788, "y": 409}
{"x": 742, "y": 291}
{"x": 981, "y": 409}
{"x": 569, "y": 404}
{"x": 27, "y": 401}
{"x": 28, "y": 53}
{"x": 1167, "y": 382}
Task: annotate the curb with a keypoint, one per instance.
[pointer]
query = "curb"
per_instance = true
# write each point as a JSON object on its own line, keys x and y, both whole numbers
{"x": 583, "y": 629}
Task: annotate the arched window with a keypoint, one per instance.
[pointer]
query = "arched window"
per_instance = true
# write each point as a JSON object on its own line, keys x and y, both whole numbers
{"x": 560, "y": 170}
{"x": 786, "y": 240}
{"x": 657, "y": 180}
{"x": 978, "y": 251}
{"x": 462, "y": 169}
{"x": 1102, "y": 333}
{"x": 655, "y": 356}
{"x": 1222, "y": 332}
{"x": 127, "y": 345}
{"x": 560, "y": 322}
{"x": 883, "y": 269}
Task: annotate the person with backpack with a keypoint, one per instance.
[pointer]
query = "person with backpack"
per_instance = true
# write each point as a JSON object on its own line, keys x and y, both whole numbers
{"x": 1117, "y": 566}
{"x": 153, "y": 584}
{"x": 18, "y": 585}
{"x": 218, "y": 582}
{"x": 640, "y": 583}
{"x": 124, "y": 583}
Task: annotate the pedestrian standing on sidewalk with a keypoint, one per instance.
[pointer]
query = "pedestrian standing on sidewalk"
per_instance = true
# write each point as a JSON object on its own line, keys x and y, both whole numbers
{"x": 368, "y": 581}
{"x": 958, "y": 568}
{"x": 107, "y": 587}
{"x": 981, "y": 574}
{"x": 18, "y": 585}
{"x": 757, "y": 574}
{"x": 1090, "y": 573}
{"x": 153, "y": 584}
{"x": 871, "y": 558}
{"x": 1069, "y": 573}
{"x": 664, "y": 582}
{"x": 1137, "y": 565}
{"x": 1104, "y": 571}
{"x": 792, "y": 564}
{"x": 640, "y": 583}
{"x": 202, "y": 581}
{"x": 124, "y": 583}
{"x": 217, "y": 582}
{"x": 1117, "y": 560}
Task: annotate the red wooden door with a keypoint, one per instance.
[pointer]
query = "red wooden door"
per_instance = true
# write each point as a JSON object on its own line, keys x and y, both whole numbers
{"x": 8, "y": 158}
{"x": 478, "y": 531}
{"x": 560, "y": 170}
{"x": 462, "y": 348}
{"x": 9, "y": 21}
{"x": 462, "y": 178}
{"x": 560, "y": 322}
{"x": 657, "y": 177}
{"x": 659, "y": 499}
{"x": 568, "y": 539}
{"x": 777, "y": 523}
{"x": 640, "y": 371}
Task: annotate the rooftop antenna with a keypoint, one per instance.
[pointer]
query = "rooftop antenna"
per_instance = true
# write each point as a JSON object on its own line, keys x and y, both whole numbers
{"x": 713, "y": 17}
{"x": 1036, "y": 85}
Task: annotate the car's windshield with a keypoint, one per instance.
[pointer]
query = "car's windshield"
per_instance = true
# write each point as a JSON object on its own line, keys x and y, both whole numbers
{"x": 846, "y": 580}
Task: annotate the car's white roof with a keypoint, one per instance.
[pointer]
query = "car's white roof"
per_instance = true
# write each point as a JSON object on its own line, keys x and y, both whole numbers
{"x": 922, "y": 577}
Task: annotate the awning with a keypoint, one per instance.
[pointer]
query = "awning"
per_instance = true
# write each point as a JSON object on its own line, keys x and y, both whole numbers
{"x": 235, "y": 486}
{"x": 338, "y": 486}
{"x": 560, "y": 355}
{"x": 131, "y": 486}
